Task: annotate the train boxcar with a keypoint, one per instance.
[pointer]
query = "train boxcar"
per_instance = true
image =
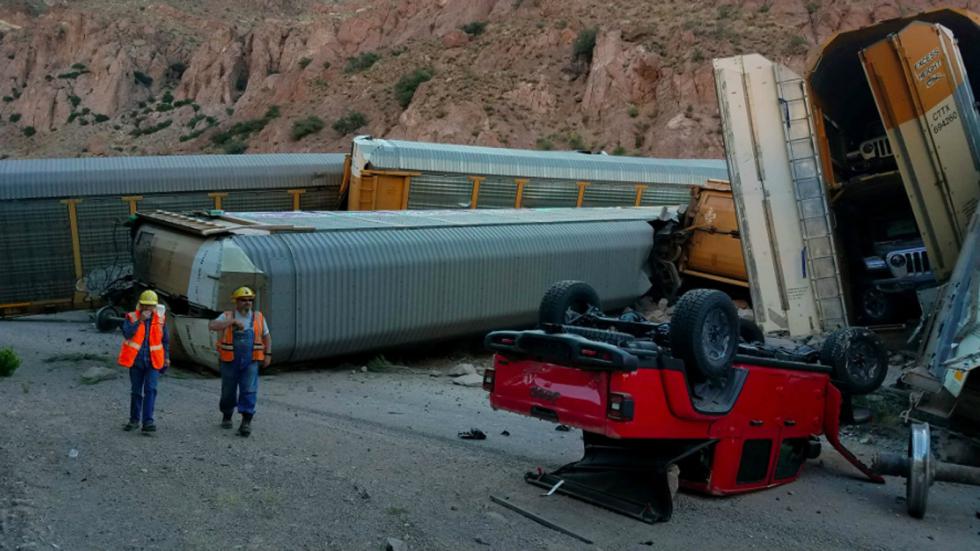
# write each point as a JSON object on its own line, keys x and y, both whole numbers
{"x": 60, "y": 219}
{"x": 395, "y": 175}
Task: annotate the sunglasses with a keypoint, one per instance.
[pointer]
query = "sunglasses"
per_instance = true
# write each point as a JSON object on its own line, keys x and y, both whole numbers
{"x": 246, "y": 300}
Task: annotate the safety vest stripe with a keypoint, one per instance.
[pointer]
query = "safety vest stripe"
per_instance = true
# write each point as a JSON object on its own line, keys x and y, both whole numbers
{"x": 158, "y": 347}
{"x": 131, "y": 344}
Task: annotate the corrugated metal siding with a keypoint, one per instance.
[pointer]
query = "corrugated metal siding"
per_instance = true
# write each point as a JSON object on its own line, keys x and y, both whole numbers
{"x": 336, "y": 292}
{"x": 35, "y": 244}
{"x": 103, "y": 239}
{"x": 440, "y": 191}
{"x": 564, "y": 165}
{"x": 40, "y": 178}
{"x": 35, "y": 252}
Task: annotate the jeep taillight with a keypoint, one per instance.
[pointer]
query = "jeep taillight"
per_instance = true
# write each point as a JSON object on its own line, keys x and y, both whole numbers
{"x": 488, "y": 379}
{"x": 619, "y": 406}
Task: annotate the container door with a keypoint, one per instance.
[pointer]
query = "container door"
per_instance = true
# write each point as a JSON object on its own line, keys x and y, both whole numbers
{"x": 925, "y": 101}
{"x": 775, "y": 172}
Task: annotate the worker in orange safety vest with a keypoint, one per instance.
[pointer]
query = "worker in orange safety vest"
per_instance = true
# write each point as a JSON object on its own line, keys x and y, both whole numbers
{"x": 146, "y": 353}
{"x": 243, "y": 344}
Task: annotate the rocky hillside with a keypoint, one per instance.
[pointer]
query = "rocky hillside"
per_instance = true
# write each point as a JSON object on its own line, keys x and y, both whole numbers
{"x": 100, "y": 77}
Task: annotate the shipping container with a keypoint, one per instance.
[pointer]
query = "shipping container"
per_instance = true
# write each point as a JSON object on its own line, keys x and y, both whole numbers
{"x": 880, "y": 175}
{"x": 394, "y": 175}
{"x": 61, "y": 232}
{"x": 335, "y": 283}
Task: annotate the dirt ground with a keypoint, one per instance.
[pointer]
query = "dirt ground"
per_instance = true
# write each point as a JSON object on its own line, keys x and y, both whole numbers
{"x": 345, "y": 458}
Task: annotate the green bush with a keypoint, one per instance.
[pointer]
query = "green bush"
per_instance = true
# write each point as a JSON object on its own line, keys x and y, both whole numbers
{"x": 152, "y": 129}
{"x": 9, "y": 361}
{"x": 194, "y": 120}
{"x": 619, "y": 150}
{"x": 29, "y": 131}
{"x": 7, "y": 99}
{"x": 584, "y": 44}
{"x": 143, "y": 78}
{"x": 475, "y": 28}
{"x": 164, "y": 107}
{"x": 406, "y": 86}
{"x": 235, "y": 147}
{"x": 304, "y": 62}
{"x": 797, "y": 45}
{"x": 99, "y": 117}
{"x": 220, "y": 138}
{"x": 192, "y": 135}
{"x": 361, "y": 62}
{"x": 74, "y": 100}
{"x": 14, "y": 117}
{"x": 307, "y": 126}
{"x": 349, "y": 123}
{"x": 544, "y": 144}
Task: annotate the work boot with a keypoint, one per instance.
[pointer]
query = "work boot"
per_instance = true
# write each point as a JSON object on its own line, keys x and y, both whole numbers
{"x": 132, "y": 425}
{"x": 245, "y": 428}
{"x": 148, "y": 428}
{"x": 226, "y": 421}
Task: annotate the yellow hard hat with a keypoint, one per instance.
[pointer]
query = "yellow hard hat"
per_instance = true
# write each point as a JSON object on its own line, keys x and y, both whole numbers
{"x": 148, "y": 298}
{"x": 243, "y": 292}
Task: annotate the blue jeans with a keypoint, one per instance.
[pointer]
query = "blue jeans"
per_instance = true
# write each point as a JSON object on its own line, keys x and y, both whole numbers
{"x": 239, "y": 385}
{"x": 144, "y": 392}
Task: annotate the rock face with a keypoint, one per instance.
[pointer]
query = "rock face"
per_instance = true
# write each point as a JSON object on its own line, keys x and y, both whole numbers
{"x": 100, "y": 80}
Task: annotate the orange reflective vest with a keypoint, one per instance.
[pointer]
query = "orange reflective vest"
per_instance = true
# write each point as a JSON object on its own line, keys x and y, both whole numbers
{"x": 131, "y": 347}
{"x": 226, "y": 344}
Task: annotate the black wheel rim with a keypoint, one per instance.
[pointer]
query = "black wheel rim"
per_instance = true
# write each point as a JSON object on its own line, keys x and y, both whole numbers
{"x": 875, "y": 304}
{"x": 576, "y": 311}
{"x": 716, "y": 335}
{"x": 861, "y": 362}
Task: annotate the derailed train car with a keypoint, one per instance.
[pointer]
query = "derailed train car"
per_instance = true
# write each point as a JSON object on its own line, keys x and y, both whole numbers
{"x": 396, "y": 175}
{"x": 333, "y": 283}
{"x": 61, "y": 219}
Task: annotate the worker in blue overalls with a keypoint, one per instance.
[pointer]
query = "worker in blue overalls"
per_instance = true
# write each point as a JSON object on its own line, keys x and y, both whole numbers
{"x": 146, "y": 353}
{"x": 244, "y": 344}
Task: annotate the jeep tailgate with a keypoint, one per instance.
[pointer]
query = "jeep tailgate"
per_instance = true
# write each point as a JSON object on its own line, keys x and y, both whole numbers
{"x": 567, "y": 395}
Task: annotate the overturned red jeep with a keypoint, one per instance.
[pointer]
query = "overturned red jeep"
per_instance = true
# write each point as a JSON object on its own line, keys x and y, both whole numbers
{"x": 734, "y": 413}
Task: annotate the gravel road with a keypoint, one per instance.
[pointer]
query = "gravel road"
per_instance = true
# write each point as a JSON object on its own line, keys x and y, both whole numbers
{"x": 344, "y": 459}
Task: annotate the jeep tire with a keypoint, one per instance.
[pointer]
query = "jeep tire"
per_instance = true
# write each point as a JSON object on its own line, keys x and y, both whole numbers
{"x": 858, "y": 359}
{"x": 704, "y": 332}
{"x": 566, "y": 296}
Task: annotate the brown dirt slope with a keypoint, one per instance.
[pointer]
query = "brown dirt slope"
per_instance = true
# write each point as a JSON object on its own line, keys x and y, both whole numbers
{"x": 93, "y": 77}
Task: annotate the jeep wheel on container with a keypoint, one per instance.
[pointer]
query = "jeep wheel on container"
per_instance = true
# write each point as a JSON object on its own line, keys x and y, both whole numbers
{"x": 749, "y": 331}
{"x": 876, "y": 306}
{"x": 565, "y": 300}
{"x": 858, "y": 359}
{"x": 704, "y": 332}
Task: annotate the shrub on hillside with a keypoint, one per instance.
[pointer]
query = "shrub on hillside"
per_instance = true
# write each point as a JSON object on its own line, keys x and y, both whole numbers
{"x": 406, "y": 86}
{"x": 307, "y": 126}
{"x": 349, "y": 123}
{"x": 361, "y": 62}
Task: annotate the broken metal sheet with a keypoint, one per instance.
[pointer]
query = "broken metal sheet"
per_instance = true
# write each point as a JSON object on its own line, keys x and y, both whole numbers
{"x": 952, "y": 345}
